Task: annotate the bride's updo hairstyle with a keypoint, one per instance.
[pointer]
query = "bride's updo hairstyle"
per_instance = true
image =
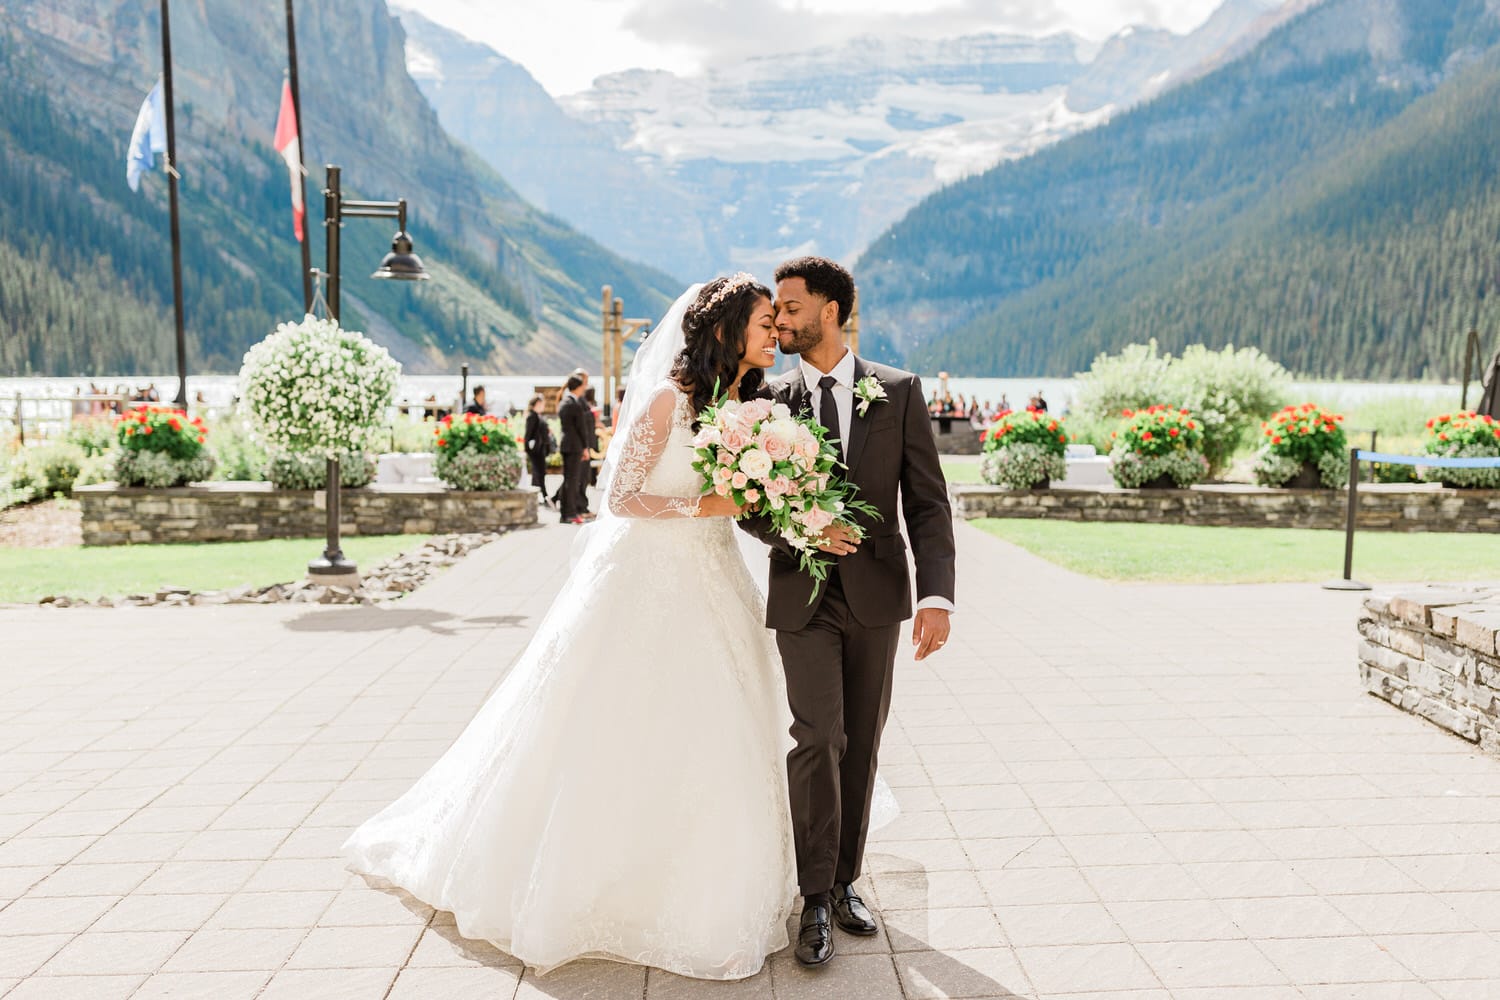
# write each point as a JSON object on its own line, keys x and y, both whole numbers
{"x": 713, "y": 331}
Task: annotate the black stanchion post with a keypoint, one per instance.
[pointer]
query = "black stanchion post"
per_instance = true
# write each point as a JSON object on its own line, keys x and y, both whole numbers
{"x": 1348, "y": 582}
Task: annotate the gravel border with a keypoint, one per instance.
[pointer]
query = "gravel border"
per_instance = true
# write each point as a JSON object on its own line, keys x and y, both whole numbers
{"x": 388, "y": 581}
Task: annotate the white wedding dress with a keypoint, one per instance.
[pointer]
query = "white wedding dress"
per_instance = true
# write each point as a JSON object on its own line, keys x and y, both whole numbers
{"x": 622, "y": 794}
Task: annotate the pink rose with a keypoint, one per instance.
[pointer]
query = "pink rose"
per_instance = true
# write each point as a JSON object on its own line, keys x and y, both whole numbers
{"x": 752, "y": 495}
{"x": 722, "y": 489}
{"x": 756, "y": 410}
{"x": 817, "y": 519}
{"x": 740, "y": 480}
{"x": 776, "y": 446}
{"x": 705, "y": 437}
{"x": 735, "y": 439}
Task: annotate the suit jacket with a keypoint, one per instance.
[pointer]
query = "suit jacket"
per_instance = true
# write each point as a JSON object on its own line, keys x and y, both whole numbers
{"x": 577, "y": 425}
{"x": 893, "y": 461}
{"x": 538, "y": 435}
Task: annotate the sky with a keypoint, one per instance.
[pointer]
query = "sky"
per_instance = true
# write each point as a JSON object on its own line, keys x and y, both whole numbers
{"x": 567, "y": 43}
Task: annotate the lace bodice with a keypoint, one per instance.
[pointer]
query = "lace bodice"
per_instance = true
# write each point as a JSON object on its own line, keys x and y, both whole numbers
{"x": 655, "y": 476}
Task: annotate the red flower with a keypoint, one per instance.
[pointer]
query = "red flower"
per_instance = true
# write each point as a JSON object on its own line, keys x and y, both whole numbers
{"x": 485, "y": 438}
{"x": 1146, "y": 436}
{"x": 1276, "y": 439}
{"x": 1442, "y": 437}
{"x": 442, "y": 443}
{"x": 201, "y": 439}
{"x": 1127, "y": 413}
{"x": 146, "y": 429}
{"x": 1192, "y": 426}
{"x": 1172, "y": 432}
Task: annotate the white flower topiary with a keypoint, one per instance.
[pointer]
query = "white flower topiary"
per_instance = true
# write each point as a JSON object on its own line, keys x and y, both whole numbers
{"x": 314, "y": 387}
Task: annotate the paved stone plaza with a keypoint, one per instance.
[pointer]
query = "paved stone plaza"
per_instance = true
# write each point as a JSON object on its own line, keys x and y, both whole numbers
{"x": 1108, "y": 791}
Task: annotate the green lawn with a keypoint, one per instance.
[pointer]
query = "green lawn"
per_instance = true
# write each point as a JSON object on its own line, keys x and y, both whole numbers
{"x": 1165, "y": 553}
{"x": 30, "y": 574}
{"x": 960, "y": 471}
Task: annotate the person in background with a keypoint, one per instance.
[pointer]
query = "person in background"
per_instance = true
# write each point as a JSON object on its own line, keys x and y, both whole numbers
{"x": 1004, "y": 403}
{"x": 477, "y": 407}
{"x": 614, "y": 420}
{"x": 1041, "y": 402}
{"x": 576, "y": 435}
{"x": 538, "y": 446}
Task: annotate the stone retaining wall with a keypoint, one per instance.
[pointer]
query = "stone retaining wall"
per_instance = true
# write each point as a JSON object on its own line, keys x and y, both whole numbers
{"x": 1432, "y": 652}
{"x": 242, "y": 512}
{"x": 1405, "y": 507}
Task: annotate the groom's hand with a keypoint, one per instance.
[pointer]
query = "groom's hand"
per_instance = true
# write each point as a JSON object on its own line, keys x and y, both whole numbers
{"x": 838, "y": 540}
{"x": 929, "y": 632}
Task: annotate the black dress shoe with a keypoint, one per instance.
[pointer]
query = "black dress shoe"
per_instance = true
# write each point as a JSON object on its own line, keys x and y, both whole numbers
{"x": 815, "y": 937}
{"x": 850, "y": 912}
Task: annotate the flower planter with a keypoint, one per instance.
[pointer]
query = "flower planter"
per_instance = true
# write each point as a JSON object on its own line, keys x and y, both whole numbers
{"x": 1307, "y": 478}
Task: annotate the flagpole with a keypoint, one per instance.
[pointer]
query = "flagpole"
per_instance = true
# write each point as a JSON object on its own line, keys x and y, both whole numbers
{"x": 166, "y": 61}
{"x": 291, "y": 53}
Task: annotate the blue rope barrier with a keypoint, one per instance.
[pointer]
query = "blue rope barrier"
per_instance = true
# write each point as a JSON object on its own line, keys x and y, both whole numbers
{"x": 1430, "y": 461}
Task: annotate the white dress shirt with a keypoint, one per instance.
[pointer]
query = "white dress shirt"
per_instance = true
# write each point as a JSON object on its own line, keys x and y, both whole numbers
{"x": 843, "y": 394}
{"x": 843, "y": 398}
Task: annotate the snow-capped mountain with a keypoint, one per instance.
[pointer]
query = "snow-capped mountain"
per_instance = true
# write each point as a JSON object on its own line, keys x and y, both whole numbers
{"x": 819, "y": 151}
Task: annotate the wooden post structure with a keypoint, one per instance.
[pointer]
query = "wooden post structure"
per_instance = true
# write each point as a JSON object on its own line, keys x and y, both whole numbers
{"x": 615, "y": 330}
{"x": 851, "y": 329}
{"x": 606, "y": 338}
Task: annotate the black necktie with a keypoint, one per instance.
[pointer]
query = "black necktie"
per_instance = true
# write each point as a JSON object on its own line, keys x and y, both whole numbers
{"x": 828, "y": 412}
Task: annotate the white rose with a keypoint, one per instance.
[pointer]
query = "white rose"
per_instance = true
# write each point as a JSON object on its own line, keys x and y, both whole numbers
{"x": 755, "y": 463}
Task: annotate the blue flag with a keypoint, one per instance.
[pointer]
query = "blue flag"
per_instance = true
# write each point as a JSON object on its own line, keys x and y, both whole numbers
{"x": 149, "y": 138}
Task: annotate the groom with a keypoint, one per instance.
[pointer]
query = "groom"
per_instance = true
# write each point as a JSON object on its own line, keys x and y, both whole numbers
{"x": 838, "y": 644}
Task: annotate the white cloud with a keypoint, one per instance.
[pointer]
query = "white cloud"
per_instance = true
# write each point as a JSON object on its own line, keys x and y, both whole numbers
{"x": 567, "y": 43}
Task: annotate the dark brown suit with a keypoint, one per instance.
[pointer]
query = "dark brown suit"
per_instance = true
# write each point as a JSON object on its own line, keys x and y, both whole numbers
{"x": 839, "y": 648}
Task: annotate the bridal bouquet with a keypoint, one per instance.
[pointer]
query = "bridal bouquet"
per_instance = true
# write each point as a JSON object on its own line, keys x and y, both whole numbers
{"x": 779, "y": 465}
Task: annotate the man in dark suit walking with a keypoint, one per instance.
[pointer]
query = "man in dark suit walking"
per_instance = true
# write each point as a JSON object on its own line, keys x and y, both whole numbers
{"x": 577, "y": 433}
{"x": 838, "y": 641}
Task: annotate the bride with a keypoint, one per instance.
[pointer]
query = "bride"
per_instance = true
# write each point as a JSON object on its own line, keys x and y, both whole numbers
{"x": 623, "y": 793}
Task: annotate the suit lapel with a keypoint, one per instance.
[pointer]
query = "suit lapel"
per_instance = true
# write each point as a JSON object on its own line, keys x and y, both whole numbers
{"x": 859, "y": 426}
{"x": 797, "y": 399}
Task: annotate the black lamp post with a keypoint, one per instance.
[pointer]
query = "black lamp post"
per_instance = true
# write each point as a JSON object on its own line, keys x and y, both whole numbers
{"x": 400, "y": 264}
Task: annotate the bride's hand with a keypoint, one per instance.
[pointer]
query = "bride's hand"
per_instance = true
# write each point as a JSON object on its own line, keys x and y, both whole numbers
{"x": 713, "y": 505}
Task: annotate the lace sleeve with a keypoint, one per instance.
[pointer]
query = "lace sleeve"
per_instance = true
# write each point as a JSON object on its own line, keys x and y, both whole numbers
{"x": 643, "y": 448}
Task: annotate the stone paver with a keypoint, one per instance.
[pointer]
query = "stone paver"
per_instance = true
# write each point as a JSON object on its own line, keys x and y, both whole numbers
{"x": 1108, "y": 791}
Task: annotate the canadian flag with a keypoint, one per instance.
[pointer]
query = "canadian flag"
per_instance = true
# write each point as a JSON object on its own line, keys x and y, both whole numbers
{"x": 289, "y": 146}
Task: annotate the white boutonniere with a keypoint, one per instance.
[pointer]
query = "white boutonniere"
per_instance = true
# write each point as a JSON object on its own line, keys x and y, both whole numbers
{"x": 869, "y": 390}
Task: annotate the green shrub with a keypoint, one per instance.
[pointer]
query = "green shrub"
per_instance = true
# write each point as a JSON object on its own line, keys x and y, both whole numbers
{"x": 1464, "y": 435}
{"x": 239, "y": 455}
{"x": 96, "y": 469}
{"x": 95, "y": 435}
{"x": 1229, "y": 391}
{"x": 1132, "y": 470}
{"x": 296, "y": 470}
{"x": 1131, "y": 380}
{"x": 1022, "y": 465}
{"x": 160, "y": 469}
{"x": 406, "y": 435}
{"x": 46, "y": 470}
{"x": 469, "y": 469}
